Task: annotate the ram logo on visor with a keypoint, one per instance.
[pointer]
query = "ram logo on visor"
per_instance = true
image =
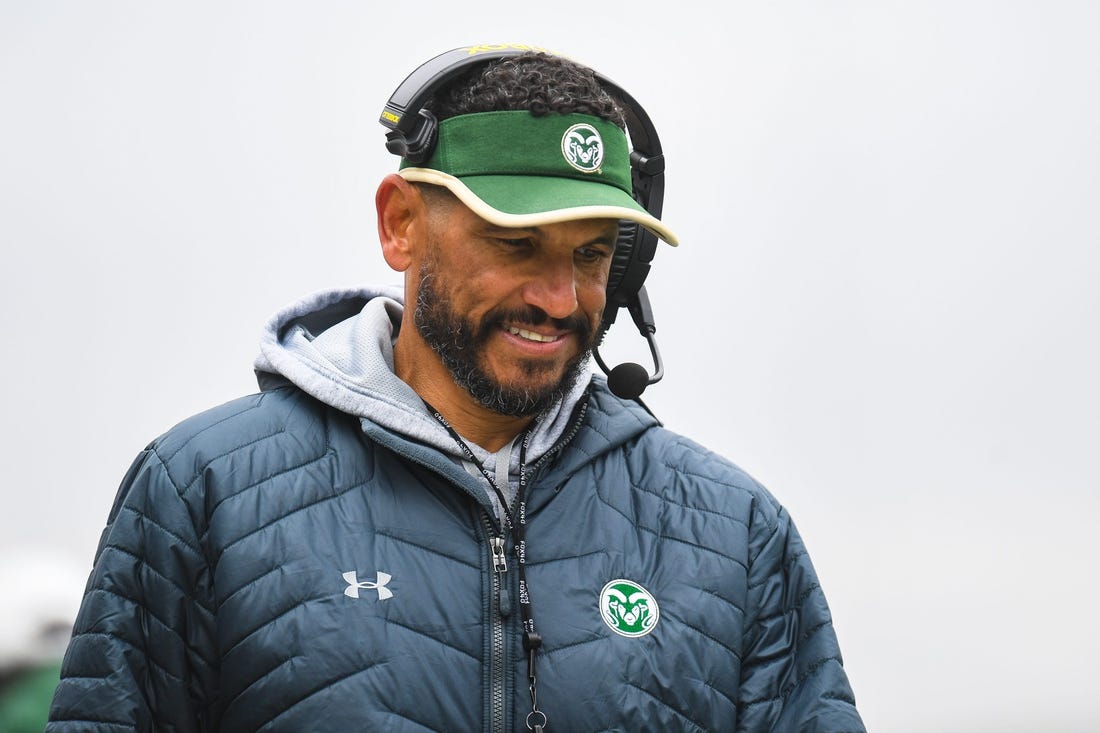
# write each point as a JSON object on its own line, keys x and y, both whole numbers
{"x": 583, "y": 148}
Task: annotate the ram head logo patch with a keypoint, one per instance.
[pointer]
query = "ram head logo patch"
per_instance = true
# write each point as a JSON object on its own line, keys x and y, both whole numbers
{"x": 583, "y": 148}
{"x": 628, "y": 609}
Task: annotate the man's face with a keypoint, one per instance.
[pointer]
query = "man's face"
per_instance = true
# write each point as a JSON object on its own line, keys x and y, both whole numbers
{"x": 512, "y": 313}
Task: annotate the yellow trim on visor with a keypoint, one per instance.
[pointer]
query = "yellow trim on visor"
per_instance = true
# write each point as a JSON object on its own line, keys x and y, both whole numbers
{"x": 553, "y": 216}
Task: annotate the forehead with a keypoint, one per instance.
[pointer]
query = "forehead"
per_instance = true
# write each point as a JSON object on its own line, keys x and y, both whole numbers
{"x": 579, "y": 231}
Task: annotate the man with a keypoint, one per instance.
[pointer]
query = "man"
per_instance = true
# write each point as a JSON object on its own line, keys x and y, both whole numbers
{"x": 433, "y": 517}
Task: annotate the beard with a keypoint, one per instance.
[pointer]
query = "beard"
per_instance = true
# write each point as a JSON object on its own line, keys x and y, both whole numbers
{"x": 460, "y": 344}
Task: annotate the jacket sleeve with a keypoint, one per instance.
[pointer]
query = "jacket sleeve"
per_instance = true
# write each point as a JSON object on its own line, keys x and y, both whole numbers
{"x": 792, "y": 675}
{"x": 140, "y": 658}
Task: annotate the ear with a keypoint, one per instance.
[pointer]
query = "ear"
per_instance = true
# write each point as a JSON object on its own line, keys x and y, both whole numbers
{"x": 400, "y": 215}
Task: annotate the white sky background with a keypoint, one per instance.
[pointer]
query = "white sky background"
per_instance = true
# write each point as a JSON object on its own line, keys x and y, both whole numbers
{"x": 884, "y": 308}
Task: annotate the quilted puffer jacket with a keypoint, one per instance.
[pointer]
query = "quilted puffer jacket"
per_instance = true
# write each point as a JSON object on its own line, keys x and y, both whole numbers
{"x": 276, "y": 564}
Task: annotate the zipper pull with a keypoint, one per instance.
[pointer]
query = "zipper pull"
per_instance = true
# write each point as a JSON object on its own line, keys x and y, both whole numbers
{"x": 496, "y": 546}
{"x": 500, "y": 566}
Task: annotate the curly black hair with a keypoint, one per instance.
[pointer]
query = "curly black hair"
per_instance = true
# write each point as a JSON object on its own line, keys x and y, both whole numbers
{"x": 535, "y": 81}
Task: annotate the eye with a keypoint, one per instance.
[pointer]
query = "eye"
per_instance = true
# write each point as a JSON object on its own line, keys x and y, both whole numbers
{"x": 519, "y": 243}
{"x": 592, "y": 254}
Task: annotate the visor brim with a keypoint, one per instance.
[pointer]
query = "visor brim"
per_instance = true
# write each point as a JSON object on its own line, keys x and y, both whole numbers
{"x": 529, "y": 201}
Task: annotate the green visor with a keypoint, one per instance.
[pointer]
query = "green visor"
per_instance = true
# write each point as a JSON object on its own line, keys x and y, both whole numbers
{"x": 517, "y": 170}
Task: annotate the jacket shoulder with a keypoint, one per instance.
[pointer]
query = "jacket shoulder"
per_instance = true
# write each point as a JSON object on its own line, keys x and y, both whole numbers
{"x": 699, "y": 468}
{"x": 280, "y": 427}
{"x": 664, "y": 463}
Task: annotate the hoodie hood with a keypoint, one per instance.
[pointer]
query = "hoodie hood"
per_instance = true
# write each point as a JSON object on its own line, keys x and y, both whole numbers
{"x": 337, "y": 346}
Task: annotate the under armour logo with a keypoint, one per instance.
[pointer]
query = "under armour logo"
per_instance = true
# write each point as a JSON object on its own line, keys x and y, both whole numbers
{"x": 379, "y": 585}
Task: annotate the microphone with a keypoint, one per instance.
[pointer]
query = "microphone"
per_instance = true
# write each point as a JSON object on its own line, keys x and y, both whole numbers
{"x": 628, "y": 380}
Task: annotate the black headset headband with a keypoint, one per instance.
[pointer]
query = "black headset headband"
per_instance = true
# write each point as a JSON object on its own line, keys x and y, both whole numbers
{"x": 412, "y": 134}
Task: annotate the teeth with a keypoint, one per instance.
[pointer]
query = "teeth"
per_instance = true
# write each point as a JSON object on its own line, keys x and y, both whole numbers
{"x": 530, "y": 335}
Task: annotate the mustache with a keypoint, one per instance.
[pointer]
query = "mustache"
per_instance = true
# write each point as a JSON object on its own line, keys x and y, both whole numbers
{"x": 535, "y": 316}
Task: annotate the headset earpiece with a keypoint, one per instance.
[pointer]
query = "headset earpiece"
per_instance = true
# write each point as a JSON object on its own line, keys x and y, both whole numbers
{"x": 629, "y": 267}
{"x": 417, "y": 145}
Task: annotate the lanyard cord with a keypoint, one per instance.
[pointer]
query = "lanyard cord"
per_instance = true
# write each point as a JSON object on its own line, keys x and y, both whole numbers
{"x": 516, "y": 524}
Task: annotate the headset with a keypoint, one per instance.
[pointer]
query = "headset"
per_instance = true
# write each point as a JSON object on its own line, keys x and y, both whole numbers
{"x": 413, "y": 133}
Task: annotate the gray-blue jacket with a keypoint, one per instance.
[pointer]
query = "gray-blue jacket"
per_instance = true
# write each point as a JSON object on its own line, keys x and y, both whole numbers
{"x": 278, "y": 564}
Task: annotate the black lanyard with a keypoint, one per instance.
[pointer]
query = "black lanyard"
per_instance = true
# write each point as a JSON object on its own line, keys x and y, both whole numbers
{"x": 516, "y": 524}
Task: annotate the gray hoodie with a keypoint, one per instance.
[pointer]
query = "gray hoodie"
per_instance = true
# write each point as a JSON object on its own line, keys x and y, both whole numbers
{"x": 337, "y": 346}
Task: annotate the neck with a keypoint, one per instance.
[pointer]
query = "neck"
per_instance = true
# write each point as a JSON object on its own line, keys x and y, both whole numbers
{"x": 473, "y": 421}
{"x": 492, "y": 435}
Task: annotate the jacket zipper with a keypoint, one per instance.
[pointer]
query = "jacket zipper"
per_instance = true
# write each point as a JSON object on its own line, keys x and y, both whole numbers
{"x": 499, "y": 608}
{"x": 501, "y": 601}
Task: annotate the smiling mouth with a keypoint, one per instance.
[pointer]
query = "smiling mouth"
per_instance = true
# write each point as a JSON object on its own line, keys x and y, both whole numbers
{"x": 530, "y": 335}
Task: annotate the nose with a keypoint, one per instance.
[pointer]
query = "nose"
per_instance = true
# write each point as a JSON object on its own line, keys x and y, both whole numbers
{"x": 553, "y": 288}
